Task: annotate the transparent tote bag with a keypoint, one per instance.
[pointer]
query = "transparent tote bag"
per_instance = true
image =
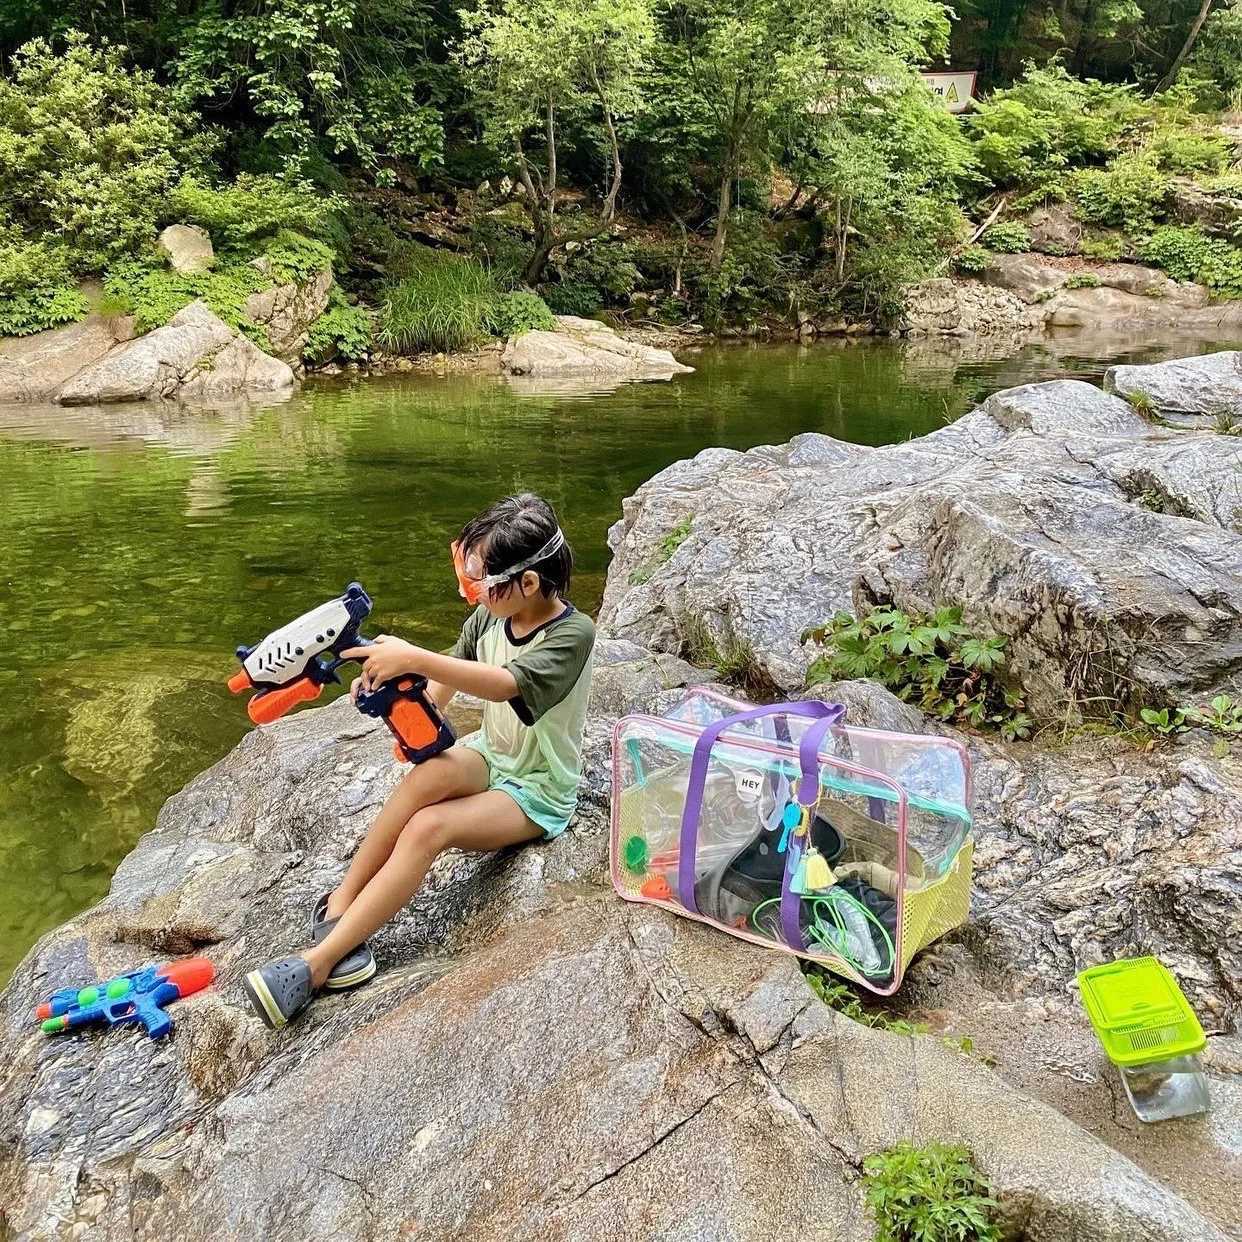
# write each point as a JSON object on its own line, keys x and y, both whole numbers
{"x": 785, "y": 826}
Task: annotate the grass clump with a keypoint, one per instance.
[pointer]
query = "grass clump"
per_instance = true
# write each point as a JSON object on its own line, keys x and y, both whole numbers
{"x": 733, "y": 658}
{"x": 929, "y": 1193}
{"x": 444, "y": 303}
{"x": 933, "y": 661}
{"x": 1082, "y": 280}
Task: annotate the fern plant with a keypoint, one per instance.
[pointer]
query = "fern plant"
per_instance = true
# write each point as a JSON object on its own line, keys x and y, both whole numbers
{"x": 933, "y": 661}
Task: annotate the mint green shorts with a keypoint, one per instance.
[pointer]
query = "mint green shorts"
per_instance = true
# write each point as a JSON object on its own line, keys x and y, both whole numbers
{"x": 535, "y": 808}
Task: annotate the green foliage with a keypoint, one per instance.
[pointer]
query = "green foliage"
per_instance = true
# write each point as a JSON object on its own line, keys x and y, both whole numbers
{"x": 1008, "y": 237}
{"x": 1107, "y": 248}
{"x": 89, "y": 149}
{"x": 930, "y": 1193}
{"x": 1142, "y": 403}
{"x": 664, "y": 551}
{"x": 347, "y": 76}
{"x": 970, "y": 259}
{"x": 1189, "y": 254}
{"x": 1166, "y": 721}
{"x": 243, "y": 216}
{"x": 1177, "y": 150}
{"x": 934, "y": 662}
{"x": 1222, "y": 715}
{"x": 1050, "y": 120}
{"x": 1082, "y": 280}
{"x": 153, "y": 295}
{"x": 444, "y": 303}
{"x": 1129, "y": 194}
{"x": 572, "y": 297}
{"x": 515, "y": 313}
{"x": 732, "y": 657}
{"x": 291, "y": 257}
{"x": 36, "y": 289}
{"x": 342, "y": 331}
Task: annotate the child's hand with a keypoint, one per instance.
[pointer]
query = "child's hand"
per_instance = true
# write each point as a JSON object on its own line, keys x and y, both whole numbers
{"x": 384, "y": 659}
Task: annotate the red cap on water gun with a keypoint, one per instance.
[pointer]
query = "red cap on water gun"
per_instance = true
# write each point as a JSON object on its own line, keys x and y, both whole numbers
{"x": 191, "y": 974}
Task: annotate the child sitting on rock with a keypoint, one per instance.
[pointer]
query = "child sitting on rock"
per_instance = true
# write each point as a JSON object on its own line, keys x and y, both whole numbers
{"x": 526, "y": 652}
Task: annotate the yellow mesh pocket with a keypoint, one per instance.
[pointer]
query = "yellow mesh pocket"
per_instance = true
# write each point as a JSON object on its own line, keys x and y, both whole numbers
{"x": 939, "y": 907}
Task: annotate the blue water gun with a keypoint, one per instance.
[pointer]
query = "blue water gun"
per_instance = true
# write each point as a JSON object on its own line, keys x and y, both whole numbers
{"x": 139, "y": 996}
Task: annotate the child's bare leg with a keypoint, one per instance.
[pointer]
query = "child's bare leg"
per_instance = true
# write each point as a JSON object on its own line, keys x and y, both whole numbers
{"x": 454, "y": 773}
{"x": 480, "y": 821}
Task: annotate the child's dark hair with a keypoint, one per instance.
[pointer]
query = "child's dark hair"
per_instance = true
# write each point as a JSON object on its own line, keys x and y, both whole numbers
{"x": 513, "y": 529}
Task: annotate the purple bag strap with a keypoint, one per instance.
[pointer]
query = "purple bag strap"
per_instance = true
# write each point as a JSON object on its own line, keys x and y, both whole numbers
{"x": 824, "y": 714}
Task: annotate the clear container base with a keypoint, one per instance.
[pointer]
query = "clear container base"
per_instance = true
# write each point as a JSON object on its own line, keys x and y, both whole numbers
{"x": 1161, "y": 1090}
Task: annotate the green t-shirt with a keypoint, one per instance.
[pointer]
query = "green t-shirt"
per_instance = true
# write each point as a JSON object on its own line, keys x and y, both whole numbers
{"x": 534, "y": 742}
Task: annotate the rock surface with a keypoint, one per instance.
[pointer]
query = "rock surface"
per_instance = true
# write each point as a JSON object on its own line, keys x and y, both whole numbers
{"x": 194, "y": 355}
{"x": 1028, "y": 292}
{"x": 947, "y": 307}
{"x": 1107, "y": 552}
{"x": 538, "y": 1060}
{"x": 583, "y": 347}
{"x": 187, "y": 249}
{"x": 34, "y": 368}
{"x": 1189, "y": 391}
{"x": 287, "y": 311}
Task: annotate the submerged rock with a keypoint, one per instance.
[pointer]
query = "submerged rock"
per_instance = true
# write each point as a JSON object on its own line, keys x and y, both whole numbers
{"x": 583, "y": 347}
{"x": 195, "y": 355}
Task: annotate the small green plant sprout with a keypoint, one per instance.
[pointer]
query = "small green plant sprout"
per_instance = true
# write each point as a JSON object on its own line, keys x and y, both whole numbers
{"x": 929, "y": 1193}
{"x": 1141, "y": 403}
{"x": 1082, "y": 280}
{"x": 664, "y": 551}
{"x": 1165, "y": 722}
{"x": 1223, "y": 715}
{"x": 932, "y": 661}
{"x": 1227, "y": 423}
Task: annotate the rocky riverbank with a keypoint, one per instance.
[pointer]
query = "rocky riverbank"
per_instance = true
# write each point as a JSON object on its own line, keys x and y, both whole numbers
{"x": 538, "y": 1059}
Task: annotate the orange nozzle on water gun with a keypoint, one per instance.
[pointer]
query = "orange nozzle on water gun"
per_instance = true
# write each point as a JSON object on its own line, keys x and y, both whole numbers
{"x": 240, "y": 681}
{"x": 272, "y": 704}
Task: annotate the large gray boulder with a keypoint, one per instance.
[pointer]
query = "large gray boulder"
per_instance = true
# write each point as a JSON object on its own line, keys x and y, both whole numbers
{"x": 945, "y": 307}
{"x": 34, "y": 368}
{"x": 187, "y": 248}
{"x": 1107, "y": 552}
{"x": 537, "y": 1059}
{"x": 585, "y": 348}
{"x": 196, "y": 355}
{"x": 1189, "y": 390}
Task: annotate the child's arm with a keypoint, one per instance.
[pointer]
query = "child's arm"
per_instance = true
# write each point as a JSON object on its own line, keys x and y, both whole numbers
{"x": 389, "y": 657}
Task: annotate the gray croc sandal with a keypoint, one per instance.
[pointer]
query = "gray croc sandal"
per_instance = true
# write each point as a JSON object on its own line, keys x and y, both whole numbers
{"x": 280, "y": 990}
{"x": 357, "y": 966}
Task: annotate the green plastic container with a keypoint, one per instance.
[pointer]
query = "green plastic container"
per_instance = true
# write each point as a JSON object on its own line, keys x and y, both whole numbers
{"x": 1149, "y": 1031}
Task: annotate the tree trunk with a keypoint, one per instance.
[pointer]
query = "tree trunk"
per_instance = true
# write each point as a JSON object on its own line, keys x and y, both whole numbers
{"x": 722, "y": 216}
{"x": 610, "y": 199}
{"x": 1180, "y": 59}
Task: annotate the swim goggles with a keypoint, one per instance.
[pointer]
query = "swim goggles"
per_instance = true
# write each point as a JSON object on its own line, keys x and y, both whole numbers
{"x": 473, "y": 585}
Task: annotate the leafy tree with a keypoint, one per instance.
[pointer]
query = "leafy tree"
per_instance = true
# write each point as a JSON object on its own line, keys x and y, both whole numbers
{"x": 89, "y": 149}
{"x": 349, "y": 73}
{"x": 753, "y": 64}
{"x": 534, "y": 63}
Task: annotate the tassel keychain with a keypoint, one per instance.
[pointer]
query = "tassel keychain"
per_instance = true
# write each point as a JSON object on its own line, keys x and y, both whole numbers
{"x": 813, "y": 875}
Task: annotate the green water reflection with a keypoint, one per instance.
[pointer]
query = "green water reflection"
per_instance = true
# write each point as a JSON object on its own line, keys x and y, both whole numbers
{"x": 139, "y": 546}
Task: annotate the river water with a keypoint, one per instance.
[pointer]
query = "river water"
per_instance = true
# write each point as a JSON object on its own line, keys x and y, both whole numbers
{"x": 140, "y": 545}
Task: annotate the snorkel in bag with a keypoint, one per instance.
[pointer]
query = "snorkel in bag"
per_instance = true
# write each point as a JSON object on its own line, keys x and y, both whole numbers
{"x": 787, "y": 827}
